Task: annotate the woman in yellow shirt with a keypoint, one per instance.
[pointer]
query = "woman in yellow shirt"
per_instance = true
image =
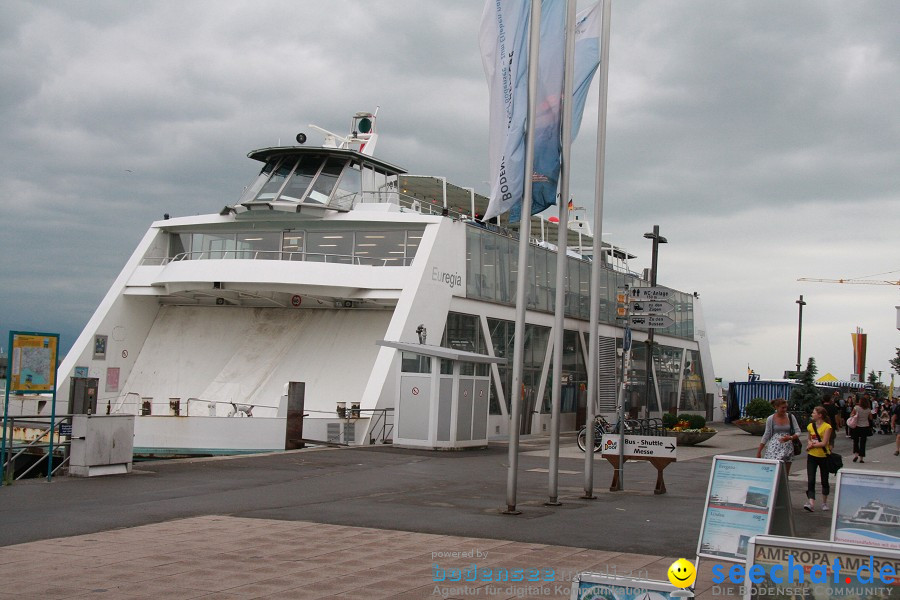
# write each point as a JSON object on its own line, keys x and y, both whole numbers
{"x": 817, "y": 448}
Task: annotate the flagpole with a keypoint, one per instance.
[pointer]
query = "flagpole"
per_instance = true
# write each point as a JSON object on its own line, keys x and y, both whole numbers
{"x": 597, "y": 262}
{"x": 515, "y": 413}
{"x": 561, "y": 258}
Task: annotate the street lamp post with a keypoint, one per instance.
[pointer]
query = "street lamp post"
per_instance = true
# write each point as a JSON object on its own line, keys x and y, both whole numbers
{"x": 657, "y": 240}
{"x": 801, "y": 303}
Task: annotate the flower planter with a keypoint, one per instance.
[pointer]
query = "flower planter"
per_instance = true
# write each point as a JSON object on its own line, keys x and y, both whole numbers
{"x": 752, "y": 428}
{"x": 691, "y": 438}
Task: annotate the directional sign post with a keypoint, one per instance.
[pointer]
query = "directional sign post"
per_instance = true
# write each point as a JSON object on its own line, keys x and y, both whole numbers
{"x": 651, "y": 321}
{"x": 650, "y": 293}
{"x": 650, "y": 307}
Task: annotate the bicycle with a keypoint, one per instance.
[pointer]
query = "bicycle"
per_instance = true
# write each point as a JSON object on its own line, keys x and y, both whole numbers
{"x": 602, "y": 426}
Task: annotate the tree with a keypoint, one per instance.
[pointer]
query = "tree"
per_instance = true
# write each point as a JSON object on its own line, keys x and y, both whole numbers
{"x": 806, "y": 396}
{"x": 895, "y": 362}
{"x": 878, "y": 387}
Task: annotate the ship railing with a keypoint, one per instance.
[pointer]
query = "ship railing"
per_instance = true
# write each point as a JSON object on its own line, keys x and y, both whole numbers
{"x": 42, "y": 444}
{"x": 347, "y": 259}
{"x": 425, "y": 206}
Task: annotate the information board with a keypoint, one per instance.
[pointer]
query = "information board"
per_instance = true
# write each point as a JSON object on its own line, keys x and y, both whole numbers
{"x": 596, "y": 586}
{"x": 32, "y": 365}
{"x": 867, "y": 509}
{"x": 745, "y": 497}
{"x": 786, "y": 567}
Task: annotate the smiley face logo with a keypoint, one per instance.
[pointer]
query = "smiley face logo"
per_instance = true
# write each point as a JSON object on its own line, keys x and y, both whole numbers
{"x": 682, "y": 573}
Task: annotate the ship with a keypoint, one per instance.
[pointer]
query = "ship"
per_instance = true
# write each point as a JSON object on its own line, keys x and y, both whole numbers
{"x": 299, "y": 313}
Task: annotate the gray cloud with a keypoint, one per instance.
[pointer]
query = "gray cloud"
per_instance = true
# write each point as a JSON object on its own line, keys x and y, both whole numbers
{"x": 762, "y": 135}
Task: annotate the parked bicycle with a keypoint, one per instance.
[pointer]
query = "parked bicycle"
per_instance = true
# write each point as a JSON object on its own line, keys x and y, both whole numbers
{"x": 602, "y": 426}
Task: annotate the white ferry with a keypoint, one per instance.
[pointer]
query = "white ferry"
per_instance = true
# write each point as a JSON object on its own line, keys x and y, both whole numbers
{"x": 329, "y": 251}
{"x": 876, "y": 513}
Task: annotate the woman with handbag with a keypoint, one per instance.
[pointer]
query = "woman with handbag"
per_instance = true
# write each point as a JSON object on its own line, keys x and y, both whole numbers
{"x": 781, "y": 435}
{"x": 861, "y": 428}
{"x": 817, "y": 449}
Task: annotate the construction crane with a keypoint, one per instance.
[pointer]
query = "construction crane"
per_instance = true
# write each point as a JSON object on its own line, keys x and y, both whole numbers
{"x": 852, "y": 281}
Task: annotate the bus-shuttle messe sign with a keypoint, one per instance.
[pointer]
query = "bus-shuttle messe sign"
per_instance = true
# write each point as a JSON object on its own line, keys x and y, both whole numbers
{"x": 640, "y": 446}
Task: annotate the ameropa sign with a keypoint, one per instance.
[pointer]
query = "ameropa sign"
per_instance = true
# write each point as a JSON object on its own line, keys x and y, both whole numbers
{"x": 640, "y": 446}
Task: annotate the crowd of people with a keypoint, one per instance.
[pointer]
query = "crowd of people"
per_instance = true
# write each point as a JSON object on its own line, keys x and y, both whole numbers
{"x": 859, "y": 416}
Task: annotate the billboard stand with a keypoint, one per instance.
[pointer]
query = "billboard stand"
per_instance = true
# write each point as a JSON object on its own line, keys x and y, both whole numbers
{"x": 746, "y": 497}
{"x": 867, "y": 509}
{"x": 32, "y": 368}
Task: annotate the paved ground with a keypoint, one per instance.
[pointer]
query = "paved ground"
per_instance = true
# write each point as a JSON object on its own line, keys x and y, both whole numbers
{"x": 369, "y": 522}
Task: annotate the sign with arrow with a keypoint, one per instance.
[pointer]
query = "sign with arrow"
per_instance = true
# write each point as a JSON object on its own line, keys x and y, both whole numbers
{"x": 650, "y": 293}
{"x": 651, "y": 321}
{"x": 650, "y": 307}
{"x": 640, "y": 446}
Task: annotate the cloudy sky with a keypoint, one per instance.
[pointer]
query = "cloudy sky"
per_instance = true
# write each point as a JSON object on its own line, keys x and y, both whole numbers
{"x": 762, "y": 136}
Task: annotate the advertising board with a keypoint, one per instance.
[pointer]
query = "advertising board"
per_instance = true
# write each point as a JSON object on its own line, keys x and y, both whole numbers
{"x": 867, "y": 509}
{"x": 745, "y": 497}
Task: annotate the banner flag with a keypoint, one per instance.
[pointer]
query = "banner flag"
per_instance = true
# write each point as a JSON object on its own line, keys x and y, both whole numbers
{"x": 548, "y": 110}
{"x": 503, "y": 40}
{"x": 547, "y": 151}
{"x": 588, "y": 28}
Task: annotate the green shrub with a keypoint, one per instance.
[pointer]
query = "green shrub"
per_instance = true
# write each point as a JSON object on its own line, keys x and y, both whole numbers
{"x": 759, "y": 408}
{"x": 696, "y": 421}
{"x": 669, "y": 420}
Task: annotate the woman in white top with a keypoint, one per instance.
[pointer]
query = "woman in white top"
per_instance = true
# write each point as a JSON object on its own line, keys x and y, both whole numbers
{"x": 778, "y": 439}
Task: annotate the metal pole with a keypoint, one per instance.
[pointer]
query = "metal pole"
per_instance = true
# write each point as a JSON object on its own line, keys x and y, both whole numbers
{"x": 801, "y": 303}
{"x": 521, "y": 278}
{"x": 561, "y": 258}
{"x": 620, "y": 404}
{"x": 649, "y": 355}
{"x": 9, "y": 374}
{"x": 597, "y": 262}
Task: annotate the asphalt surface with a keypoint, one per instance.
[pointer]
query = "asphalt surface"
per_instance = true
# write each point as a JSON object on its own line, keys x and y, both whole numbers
{"x": 450, "y": 493}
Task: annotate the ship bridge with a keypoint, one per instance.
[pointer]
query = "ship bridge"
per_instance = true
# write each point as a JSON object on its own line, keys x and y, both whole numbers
{"x": 297, "y": 179}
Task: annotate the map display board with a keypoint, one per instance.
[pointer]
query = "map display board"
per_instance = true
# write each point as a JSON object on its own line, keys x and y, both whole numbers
{"x": 741, "y": 499}
{"x": 787, "y": 567}
{"x": 32, "y": 365}
{"x": 867, "y": 509}
{"x": 595, "y": 586}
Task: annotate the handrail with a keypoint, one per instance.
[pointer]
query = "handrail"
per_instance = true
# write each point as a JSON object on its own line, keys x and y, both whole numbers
{"x": 382, "y": 419}
{"x": 35, "y": 443}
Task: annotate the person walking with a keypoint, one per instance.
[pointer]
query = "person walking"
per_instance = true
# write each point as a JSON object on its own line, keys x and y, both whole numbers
{"x": 863, "y": 429}
{"x": 778, "y": 439}
{"x": 817, "y": 449}
{"x": 895, "y": 425}
{"x": 848, "y": 408}
{"x": 839, "y": 403}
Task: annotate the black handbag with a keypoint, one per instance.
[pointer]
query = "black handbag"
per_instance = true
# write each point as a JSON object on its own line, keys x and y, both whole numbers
{"x": 833, "y": 461}
{"x": 798, "y": 447}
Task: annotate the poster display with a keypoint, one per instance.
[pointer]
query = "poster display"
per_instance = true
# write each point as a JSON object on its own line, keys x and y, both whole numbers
{"x": 867, "y": 509}
{"x": 739, "y": 504}
{"x": 32, "y": 365}
{"x": 795, "y": 568}
{"x": 100, "y": 342}
{"x": 112, "y": 379}
{"x": 594, "y": 586}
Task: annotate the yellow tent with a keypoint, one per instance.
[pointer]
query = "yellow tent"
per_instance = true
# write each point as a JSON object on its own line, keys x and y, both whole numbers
{"x": 826, "y": 377}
